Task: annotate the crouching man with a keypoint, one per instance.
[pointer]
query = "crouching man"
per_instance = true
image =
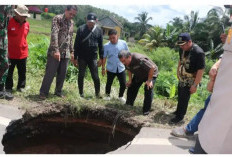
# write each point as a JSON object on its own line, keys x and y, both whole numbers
{"x": 143, "y": 70}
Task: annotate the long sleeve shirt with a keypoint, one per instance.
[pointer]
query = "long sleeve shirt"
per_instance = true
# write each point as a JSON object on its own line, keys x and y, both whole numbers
{"x": 61, "y": 36}
{"x": 88, "y": 49}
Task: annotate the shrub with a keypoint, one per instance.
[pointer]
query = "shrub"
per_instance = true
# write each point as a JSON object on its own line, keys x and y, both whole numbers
{"x": 166, "y": 84}
{"x": 47, "y": 15}
{"x": 38, "y": 53}
{"x": 165, "y": 58}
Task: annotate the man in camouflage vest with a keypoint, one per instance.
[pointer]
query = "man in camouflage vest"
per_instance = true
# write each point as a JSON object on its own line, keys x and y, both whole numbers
{"x": 59, "y": 52}
{"x": 190, "y": 70}
{"x": 5, "y": 13}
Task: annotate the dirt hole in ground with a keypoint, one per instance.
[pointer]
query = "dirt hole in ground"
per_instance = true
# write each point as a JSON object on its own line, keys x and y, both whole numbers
{"x": 70, "y": 132}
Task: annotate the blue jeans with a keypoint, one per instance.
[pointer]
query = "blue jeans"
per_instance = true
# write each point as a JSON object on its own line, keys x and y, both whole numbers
{"x": 193, "y": 124}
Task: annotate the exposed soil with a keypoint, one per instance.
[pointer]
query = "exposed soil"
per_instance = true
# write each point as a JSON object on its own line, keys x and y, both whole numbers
{"x": 62, "y": 129}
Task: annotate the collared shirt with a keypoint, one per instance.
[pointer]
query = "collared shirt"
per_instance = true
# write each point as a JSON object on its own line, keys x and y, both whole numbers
{"x": 5, "y": 13}
{"x": 61, "y": 36}
{"x": 17, "y": 39}
{"x": 111, "y": 52}
{"x": 140, "y": 66}
{"x": 88, "y": 49}
{"x": 191, "y": 61}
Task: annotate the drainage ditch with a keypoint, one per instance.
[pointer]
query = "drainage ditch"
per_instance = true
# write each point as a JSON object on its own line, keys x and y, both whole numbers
{"x": 88, "y": 131}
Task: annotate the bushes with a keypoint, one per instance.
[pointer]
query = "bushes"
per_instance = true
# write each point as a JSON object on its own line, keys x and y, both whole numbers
{"x": 165, "y": 58}
{"x": 38, "y": 52}
{"x": 47, "y": 15}
{"x": 166, "y": 84}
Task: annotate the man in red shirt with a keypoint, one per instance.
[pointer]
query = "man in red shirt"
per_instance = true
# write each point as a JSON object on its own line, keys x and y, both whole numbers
{"x": 18, "y": 29}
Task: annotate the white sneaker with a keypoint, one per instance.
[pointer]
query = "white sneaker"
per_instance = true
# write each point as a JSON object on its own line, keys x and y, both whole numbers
{"x": 180, "y": 132}
{"x": 108, "y": 98}
{"x": 122, "y": 100}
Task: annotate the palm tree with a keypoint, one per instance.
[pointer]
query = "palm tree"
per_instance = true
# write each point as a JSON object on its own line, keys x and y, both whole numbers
{"x": 153, "y": 38}
{"x": 216, "y": 23}
{"x": 178, "y": 24}
{"x": 191, "y": 21}
{"x": 143, "y": 22}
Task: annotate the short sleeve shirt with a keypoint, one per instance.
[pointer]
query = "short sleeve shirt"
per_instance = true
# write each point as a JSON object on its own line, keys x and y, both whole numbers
{"x": 195, "y": 59}
{"x": 111, "y": 52}
{"x": 140, "y": 66}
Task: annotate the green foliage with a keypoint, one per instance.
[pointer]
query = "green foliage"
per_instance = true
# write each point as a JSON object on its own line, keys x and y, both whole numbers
{"x": 165, "y": 58}
{"x": 47, "y": 15}
{"x": 153, "y": 38}
{"x": 208, "y": 64}
{"x": 143, "y": 22}
{"x": 166, "y": 84}
{"x": 72, "y": 72}
{"x": 38, "y": 52}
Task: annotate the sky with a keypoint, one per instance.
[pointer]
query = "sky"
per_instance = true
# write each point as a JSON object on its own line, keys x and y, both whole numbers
{"x": 161, "y": 11}
{"x": 161, "y": 14}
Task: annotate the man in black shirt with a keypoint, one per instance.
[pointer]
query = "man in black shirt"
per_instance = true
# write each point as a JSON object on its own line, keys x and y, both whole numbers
{"x": 88, "y": 40}
{"x": 143, "y": 70}
{"x": 189, "y": 72}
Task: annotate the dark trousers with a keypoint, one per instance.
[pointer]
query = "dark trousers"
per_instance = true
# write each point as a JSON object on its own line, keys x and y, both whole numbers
{"x": 54, "y": 68}
{"x": 183, "y": 99}
{"x": 21, "y": 66}
{"x": 198, "y": 149}
{"x": 92, "y": 64}
{"x": 148, "y": 94}
{"x": 122, "y": 81}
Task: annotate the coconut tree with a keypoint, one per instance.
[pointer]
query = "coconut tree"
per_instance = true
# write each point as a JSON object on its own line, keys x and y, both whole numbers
{"x": 191, "y": 21}
{"x": 216, "y": 22}
{"x": 143, "y": 19}
{"x": 153, "y": 38}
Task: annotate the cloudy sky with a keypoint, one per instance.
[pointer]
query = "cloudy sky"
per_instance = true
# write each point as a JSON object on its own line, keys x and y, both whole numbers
{"x": 161, "y": 14}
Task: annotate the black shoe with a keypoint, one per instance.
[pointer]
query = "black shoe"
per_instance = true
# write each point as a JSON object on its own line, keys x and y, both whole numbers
{"x": 82, "y": 95}
{"x": 6, "y": 95}
{"x": 20, "y": 89}
{"x": 175, "y": 120}
{"x": 59, "y": 95}
{"x": 98, "y": 96}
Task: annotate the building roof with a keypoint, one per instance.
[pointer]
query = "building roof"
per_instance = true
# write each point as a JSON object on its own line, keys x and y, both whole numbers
{"x": 109, "y": 22}
{"x": 34, "y": 9}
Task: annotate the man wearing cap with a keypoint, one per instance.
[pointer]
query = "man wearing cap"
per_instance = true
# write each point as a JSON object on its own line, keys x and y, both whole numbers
{"x": 59, "y": 52}
{"x": 88, "y": 40}
{"x": 140, "y": 70}
{"x": 189, "y": 72}
{"x": 18, "y": 30}
{"x": 5, "y": 14}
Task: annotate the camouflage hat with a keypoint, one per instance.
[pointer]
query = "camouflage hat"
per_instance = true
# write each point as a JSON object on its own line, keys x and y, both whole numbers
{"x": 22, "y": 10}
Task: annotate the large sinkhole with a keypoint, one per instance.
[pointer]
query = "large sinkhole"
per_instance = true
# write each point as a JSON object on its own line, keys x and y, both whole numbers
{"x": 89, "y": 131}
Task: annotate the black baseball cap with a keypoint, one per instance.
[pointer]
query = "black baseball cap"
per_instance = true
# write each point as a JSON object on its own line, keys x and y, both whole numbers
{"x": 183, "y": 38}
{"x": 91, "y": 17}
{"x": 228, "y": 6}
